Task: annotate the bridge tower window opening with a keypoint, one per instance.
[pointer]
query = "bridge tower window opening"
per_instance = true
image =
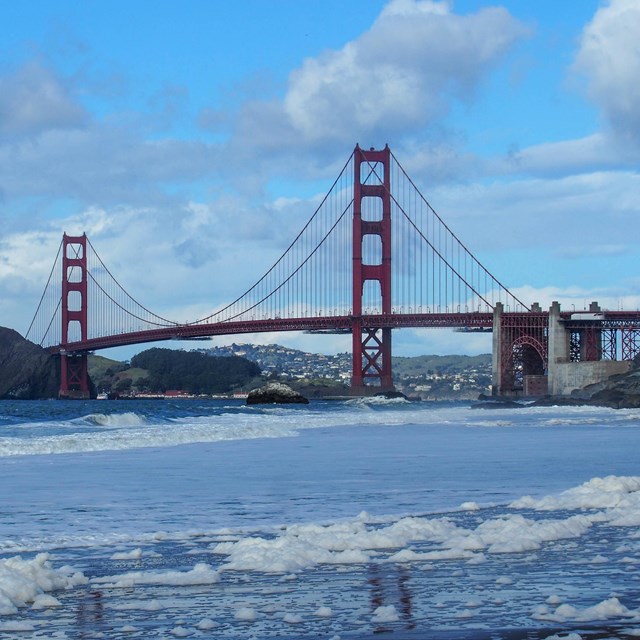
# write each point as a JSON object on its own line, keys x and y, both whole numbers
{"x": 75, "y": 274}
{"x": 372, "y": 249}
{"x": 74, "y": 301}
{"x": 74, "y": 250}
{"x": 373, "y": 172}
{"x": 371, "y": 297}
{"x": 372, "y": 209}
{"x": 74, "y": 331}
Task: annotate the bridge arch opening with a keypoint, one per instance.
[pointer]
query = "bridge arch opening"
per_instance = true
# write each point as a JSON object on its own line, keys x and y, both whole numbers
{"x": 528, "y": 358}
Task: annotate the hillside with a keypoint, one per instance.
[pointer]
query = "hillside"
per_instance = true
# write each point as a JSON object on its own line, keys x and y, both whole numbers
{"x": 316, "y": 375}
{"x": 157, "y": 371}
{"x": 405, "y": 367}
{"x": 27, "y": 371}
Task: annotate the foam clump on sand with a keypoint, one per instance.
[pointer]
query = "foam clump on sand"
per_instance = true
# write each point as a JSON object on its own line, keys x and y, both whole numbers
{"x": 246, "y": 614}
{"x": 300, "y": 547}
{"x": 202, "y": 573}
{"x": 134, "y": 554}
{"x": 597, "y": 493}
{"x": 385, "y": 614}
{"x": 605, "y": 610}
{"x": 24, "y": 582}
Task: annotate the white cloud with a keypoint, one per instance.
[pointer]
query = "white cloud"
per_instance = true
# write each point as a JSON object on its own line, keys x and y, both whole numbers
{"x": 401, "y": 74}
{"x": 609, "y": 57}
{"x": 578, "y": 298}
{"x": 99, "y": 164}
{"x": 33, "y": 99}
{"x": 567, "y": 157}
{"x": 543, "y": 213}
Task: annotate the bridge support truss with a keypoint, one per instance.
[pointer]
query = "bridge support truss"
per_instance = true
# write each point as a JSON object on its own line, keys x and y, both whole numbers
{"x": 74, "y": 379}
{"x": 520, "y": 352}
{"x": 371, "y": 216}
{"x": 558, "y": 352}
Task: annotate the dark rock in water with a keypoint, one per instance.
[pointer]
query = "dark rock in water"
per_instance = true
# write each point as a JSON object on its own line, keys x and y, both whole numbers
{"x": 27, "y": 371}
{"x": 275, "y": 393}
{"x": 391, "y": 395}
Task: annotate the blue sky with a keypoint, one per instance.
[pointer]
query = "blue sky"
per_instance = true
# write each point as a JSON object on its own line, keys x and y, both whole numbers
{"x": 152, "y": 125}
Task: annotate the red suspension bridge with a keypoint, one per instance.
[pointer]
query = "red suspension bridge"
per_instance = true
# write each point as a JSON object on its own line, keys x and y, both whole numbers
{"x": 373, "y": 257}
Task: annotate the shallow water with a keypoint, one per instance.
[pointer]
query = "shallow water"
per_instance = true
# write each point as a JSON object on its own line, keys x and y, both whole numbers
{"x": 210, "y": 519}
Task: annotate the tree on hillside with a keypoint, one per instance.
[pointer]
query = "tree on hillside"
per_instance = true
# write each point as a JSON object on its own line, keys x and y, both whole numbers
{"x": 193, "y": 371}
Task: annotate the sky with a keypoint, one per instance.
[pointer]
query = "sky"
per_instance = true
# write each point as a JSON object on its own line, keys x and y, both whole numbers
{"x": 191, "y": 141}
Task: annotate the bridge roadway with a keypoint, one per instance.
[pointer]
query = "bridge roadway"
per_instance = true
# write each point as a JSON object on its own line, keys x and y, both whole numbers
{"x": 462, "y": 320}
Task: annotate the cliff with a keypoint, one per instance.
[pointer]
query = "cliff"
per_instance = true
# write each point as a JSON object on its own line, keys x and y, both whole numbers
{"x": 27, "y": 371}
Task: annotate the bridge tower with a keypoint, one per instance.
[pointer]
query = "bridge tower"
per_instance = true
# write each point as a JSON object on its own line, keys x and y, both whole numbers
{"x": 74, "y": 380}
{"x": 371, "y": 216}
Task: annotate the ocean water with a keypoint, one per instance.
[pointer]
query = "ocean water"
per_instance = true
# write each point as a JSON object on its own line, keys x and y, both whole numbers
{"x": 210, "y": 519}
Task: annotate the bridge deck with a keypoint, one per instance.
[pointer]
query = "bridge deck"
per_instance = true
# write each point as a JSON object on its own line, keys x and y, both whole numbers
{"x": 473, "y": 320}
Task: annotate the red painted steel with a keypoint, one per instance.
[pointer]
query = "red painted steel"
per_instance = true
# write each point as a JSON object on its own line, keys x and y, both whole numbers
{"x": 74, "y": 380}
{"x": 630, "y": 343}
{"x": 371, "y": 342}
{"x": 523, "y": 348}
{"x": 329, "y": 323}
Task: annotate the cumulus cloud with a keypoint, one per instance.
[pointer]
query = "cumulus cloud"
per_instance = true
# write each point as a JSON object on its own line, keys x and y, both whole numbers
{"x": 51, "y": 149}
{"x": 609, "y": 58}
{"x": 543, "y": 213}
{"x": 99, "y": 164}
{"x": 402, "y": 74}
{"x": 566, "y": 157}
{"x": 34, "y": 99}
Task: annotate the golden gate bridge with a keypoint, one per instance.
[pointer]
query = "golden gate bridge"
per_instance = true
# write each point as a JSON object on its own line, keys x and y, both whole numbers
{"x": 374, "y": 256}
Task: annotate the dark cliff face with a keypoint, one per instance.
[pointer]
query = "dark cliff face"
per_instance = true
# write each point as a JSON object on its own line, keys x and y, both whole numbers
{"x": 27, "y": 371}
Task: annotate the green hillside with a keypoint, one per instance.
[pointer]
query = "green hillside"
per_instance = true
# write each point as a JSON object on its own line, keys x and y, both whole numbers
{"x": 159, "y": 370}
{"x": 424, "y": 365}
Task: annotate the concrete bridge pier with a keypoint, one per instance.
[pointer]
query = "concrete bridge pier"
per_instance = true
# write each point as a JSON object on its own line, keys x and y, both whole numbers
{"x": 496, "y": 352}
{"x": 559, "y": 348}
{"x": 576, "y": 353}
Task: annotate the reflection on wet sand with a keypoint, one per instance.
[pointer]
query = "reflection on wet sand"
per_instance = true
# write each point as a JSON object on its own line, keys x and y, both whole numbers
{"x": 90, "y": 614}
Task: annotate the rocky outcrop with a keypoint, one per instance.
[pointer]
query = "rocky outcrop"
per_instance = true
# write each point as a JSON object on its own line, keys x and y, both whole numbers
{"x": 618, "y": 392}
{"x": 275, "y": 393}
{"x": 27, "y": 371}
